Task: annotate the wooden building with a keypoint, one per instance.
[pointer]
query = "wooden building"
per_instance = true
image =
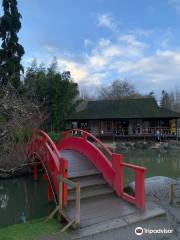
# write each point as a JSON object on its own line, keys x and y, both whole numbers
{"x": 126, "y": 117}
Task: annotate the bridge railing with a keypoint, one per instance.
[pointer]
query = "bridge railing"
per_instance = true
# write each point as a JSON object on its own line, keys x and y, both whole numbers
{"x": 45, "y": 139}
{"x": 41, "y": 147}
{"x": 75, "y": 222}
{"x": 117, "y": 167}
{"x": 90, "y": 137}
{"x": 139, "y": 189}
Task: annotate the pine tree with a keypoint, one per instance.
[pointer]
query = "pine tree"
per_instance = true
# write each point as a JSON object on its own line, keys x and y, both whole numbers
{"x": 11, "y": 51}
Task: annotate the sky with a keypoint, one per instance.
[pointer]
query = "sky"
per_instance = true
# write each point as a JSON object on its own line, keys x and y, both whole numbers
{"x": 103, "y": 40}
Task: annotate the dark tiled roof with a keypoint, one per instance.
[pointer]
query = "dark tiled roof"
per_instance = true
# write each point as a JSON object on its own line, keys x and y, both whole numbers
{"x": 124, "y": 108}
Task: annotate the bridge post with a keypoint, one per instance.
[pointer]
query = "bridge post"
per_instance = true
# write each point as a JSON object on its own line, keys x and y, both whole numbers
{"x": 85, "y": 136}
{"x": 64, "y": 173}
{"x": 140, "y": 188}
{"x": 117, "y": 164}
{"x": 50, "y": 193}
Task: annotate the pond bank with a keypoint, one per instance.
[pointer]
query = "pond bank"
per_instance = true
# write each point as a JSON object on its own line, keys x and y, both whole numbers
{"x": 20, "y": 171}
{"x": 126, "y": 146}
{"x": 39, "y": 230}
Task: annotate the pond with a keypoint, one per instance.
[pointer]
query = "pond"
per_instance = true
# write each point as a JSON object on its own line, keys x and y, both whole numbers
{"x": 158, "y": 163}
{"x": 23, "y": 199}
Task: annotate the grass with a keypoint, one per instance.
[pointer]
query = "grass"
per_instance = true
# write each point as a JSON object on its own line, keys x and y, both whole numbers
{"x": 30, "y": 230}
{"x": 54, "y": 135}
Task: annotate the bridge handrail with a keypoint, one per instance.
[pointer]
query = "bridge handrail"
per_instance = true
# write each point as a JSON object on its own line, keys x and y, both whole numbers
{"x": 112, "y": 170}
{"x": 127, "y": 165}
{"x": 135, "y": 167}
{"x": 47, "y": 140}
{"x": 87, "y": 134}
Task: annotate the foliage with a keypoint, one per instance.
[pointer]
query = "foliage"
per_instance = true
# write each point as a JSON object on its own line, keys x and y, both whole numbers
{"x": 165, "y": 101}
{"x": 170, "y": 100}
{"x": 30, "y": 230}
{"x": 11, "y": 51}
{"x": 54, "y": 135}
{"x": 18, "y": 119}
{"x": 118, "y": 89}
{"x": 55, "y": 92}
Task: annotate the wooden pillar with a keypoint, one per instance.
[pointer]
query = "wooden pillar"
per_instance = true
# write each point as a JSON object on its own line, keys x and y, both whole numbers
{"x": 140, "y": 188}
{"x": 117, "y": 164}
{"x": 78, "y": 205}
{"x": 60, "y": 198}
{"x": 64, "y": 186}
{"x": 171, "y": 194}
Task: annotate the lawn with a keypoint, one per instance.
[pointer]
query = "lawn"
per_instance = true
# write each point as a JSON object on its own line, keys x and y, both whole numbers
{"x": 30, "y": 230}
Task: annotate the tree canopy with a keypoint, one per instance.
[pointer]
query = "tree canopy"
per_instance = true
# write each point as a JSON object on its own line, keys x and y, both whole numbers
{"x": 11, "y": 51}
{"x": 54, "y": 92}
{"x": 117, "y": 90}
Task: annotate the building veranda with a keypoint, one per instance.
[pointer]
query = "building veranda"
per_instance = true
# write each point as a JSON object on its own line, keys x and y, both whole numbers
{"x": 141, "y": 117}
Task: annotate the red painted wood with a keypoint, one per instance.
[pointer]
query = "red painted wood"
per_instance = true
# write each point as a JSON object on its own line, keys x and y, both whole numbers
{"x": 65, "y": 175}
{"x": 50, "y": 194}
{"x": 140, "y": 188}
{"x": 118, "y": 183}
{"x": 85, "y": 143}
{"x": 92, "y": 152}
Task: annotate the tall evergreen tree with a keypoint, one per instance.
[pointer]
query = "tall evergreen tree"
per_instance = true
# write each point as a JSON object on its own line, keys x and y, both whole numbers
{"x": 11, "y": 51}
{"x": 165, "y": 101}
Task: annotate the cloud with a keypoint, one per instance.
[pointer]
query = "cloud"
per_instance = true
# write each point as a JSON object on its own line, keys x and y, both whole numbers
{"x": 78, "y": 71}
{"x": 166, "y": 39}
{"x": 131, "y": 40}
{"x": 157, "y": 72}
{"x": 138, "y": 55}
{"x": 101, "y": 62}
{"x": 106, "y": 20}
{"x": 50, "y": 47}
{"x": 87, "y": 43}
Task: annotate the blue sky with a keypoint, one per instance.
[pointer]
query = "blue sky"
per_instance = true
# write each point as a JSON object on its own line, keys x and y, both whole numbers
{"x": 102, "y": 40}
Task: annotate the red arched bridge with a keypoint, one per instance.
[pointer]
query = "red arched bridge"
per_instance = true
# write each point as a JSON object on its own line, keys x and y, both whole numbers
{"x": 78, "y": 155}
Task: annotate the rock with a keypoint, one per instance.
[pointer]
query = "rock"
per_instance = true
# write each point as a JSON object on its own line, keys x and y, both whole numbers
{"x": 173, "y": 147}
{"x": 157, "y": 186}
{"x": 141, "y": 145}
{"x": 164, "y": 145}
{"x": 121, "y": 147}
{"x": 147, "y": 145}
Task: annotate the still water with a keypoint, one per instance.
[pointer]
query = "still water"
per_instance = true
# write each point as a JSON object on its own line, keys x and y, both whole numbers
{"x": 158, "y": 164}
{"x": 23, "y": 199}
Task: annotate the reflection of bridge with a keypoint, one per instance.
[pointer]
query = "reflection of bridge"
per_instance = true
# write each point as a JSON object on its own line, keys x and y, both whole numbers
{"x": 80, "y": 157}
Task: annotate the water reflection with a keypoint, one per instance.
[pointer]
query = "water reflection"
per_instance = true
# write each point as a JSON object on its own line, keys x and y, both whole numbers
{"x": 22, "y": 199}
{"x": 3, "y": 200}
{"x": 158, "y": 164}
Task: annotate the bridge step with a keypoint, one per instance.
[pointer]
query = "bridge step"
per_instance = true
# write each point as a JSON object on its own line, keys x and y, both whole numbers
{"x": 92, "y": 191}
{"x": 90, "y": 181}
{"x": 84, "y": 173}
